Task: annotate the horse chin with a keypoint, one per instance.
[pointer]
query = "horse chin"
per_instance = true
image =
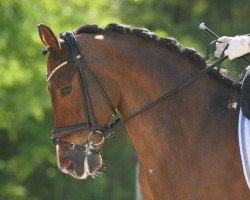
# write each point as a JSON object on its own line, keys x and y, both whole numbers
{"x": 84, "y": 176}
{"x": 91, "y": 166}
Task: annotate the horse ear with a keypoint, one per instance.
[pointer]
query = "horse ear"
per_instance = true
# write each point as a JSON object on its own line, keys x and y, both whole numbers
{"x": 48, "y": 38}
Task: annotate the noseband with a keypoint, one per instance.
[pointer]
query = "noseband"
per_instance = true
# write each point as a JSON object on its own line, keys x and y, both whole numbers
{"x": 90, "y": 124}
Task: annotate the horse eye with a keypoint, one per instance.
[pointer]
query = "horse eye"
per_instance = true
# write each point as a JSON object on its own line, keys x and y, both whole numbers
{"x": 66, "y": 91}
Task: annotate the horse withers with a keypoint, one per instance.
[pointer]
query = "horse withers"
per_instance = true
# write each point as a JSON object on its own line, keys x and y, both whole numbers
{"x": 187, "y": 144}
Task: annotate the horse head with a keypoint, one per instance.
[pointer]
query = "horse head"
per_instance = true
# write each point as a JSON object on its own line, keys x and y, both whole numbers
{"x": 80, "y": 118}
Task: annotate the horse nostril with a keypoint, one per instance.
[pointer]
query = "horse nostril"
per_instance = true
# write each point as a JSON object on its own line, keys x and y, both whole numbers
{"x": 69, "y": 165}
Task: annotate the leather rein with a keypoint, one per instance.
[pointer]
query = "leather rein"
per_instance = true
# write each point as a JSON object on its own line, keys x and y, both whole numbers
{"x": 91, "y": 124}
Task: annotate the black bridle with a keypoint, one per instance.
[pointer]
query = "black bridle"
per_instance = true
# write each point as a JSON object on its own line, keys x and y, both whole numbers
{"x": 91, "y": 124}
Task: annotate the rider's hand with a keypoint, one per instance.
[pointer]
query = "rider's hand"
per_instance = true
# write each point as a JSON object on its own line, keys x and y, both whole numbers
{"x": 237, "y": 46}
{"x": 221, "y": 45}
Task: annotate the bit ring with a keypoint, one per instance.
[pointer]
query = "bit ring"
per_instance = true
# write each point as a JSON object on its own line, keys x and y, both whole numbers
{"x": 98, "y": 143}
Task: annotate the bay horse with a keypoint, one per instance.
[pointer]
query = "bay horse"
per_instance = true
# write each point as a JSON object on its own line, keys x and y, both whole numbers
{"x": 187, "y": 144}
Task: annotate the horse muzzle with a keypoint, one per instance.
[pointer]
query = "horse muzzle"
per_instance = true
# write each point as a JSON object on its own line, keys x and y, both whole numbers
{"x": 79, "y": 164}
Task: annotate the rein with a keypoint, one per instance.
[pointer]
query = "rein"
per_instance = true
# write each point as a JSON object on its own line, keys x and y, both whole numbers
{"x": 91, "y": 123}
{"x": 168, "y": 94}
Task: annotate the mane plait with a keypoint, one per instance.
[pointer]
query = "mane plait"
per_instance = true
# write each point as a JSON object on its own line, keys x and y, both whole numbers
{"x": 118, "y": 28}
{"x": 140, "y": 32}
{"x": 169, "y": 43}
{"x": 89, "y": 28}
{"x": 194, "y": 56}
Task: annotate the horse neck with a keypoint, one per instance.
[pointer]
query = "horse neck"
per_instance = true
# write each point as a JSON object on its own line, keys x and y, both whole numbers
{"x": 148, "y": 72}
{"x": 135, "y": 72}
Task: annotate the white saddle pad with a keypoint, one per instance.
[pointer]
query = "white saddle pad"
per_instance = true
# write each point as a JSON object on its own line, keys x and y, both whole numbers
{"x": 244, "y": 142}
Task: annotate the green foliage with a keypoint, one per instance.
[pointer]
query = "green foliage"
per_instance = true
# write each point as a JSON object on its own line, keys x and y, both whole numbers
{"x": 27, "y": 159}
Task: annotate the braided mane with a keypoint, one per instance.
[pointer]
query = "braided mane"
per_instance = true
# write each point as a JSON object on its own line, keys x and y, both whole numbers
{"x": 170, "y": 43}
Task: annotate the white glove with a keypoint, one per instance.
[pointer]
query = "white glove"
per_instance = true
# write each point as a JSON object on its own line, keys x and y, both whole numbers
{"x": 221, "y": 44}
{"x": 238, "y": 46}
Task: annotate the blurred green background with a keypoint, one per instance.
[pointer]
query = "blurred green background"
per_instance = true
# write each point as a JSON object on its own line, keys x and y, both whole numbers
{"x": 27, "y": 159}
